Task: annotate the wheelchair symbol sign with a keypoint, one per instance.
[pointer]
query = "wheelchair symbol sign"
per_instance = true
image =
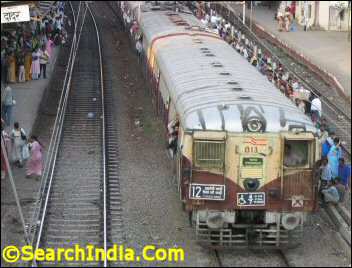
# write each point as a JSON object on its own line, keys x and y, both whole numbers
{"x": 250, "y": 199}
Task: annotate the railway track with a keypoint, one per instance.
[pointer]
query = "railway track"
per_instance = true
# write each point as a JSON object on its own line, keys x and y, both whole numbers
{"x": 251, "y": 258}
{"x": 227, "y": 257}
{"x": 336, "y": 109}
{"x": 81, "y": 191}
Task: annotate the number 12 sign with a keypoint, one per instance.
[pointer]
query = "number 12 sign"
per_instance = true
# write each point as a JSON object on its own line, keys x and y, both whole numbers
{"x": 214, "y": 192}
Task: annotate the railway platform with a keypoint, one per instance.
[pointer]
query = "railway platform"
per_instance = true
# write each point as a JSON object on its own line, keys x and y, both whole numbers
{"x": 329, "y": 51}
{"x": 28, "y": 98}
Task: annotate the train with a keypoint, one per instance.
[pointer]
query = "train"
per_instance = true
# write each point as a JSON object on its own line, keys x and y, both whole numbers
{"x": 246, "y": 157}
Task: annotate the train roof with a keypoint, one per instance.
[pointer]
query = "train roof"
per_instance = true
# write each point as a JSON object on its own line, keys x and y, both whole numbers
{"x": 211, "y": 85}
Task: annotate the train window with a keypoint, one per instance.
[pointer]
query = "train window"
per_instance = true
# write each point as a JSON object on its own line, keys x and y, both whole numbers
{"x": 209, "y": 154}
{"x": 296, "y": 153}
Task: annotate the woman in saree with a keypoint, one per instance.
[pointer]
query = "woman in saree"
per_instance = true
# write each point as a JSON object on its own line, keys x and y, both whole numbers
{"x": 35, "y": 163}
{"x": 27, "y": 65}
{"x": 49, "y": 46}
{"x": 35, "y": 64}
{"x": 12, "y": 68}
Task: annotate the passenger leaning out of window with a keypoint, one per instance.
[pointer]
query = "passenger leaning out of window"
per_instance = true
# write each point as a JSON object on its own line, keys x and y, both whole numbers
{"x": 173, "y": 136}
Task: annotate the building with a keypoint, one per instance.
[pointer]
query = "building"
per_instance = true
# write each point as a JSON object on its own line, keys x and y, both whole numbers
{"x": 323, "y": 15}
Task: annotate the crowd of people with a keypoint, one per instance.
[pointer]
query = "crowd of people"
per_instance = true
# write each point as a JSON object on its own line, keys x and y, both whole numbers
{"x": 276, "y": 73}
{"x": 25, "y": 52}
{"x": 285, "y": 16}
{"x": 20, "y": 149}
{"x": 27, "y": 49}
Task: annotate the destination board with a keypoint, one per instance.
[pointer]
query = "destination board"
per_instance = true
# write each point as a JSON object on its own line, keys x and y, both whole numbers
{"x": 207, "y": 191}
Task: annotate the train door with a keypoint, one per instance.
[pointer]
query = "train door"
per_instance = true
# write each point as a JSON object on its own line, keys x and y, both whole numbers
{"x": 298, "y": 161}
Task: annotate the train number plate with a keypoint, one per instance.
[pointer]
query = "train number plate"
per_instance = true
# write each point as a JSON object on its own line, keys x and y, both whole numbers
{"x": 207, "y": 191}
{"x": 250, "y": 199}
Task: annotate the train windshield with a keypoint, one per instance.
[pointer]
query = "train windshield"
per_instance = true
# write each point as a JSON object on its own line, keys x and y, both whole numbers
{"x": 296, "y": 153}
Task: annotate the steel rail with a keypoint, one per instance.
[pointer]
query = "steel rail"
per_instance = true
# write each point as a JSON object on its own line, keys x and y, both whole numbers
{"x": 103, "y": 133}
{"x": 59, "y": 128}
{"x": 57, "y": 141}
{"x": 53, "y": 138}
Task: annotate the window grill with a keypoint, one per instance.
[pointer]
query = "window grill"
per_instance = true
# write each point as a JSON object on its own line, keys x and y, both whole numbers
{"x": 209, "y": 154}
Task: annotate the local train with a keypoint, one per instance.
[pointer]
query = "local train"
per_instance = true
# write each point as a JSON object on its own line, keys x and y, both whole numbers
{"x": 246, "y": 155}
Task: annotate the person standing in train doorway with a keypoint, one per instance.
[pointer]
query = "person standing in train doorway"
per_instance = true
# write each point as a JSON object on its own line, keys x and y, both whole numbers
{"x": 173, "y": 136}
{"x": 315, "y": 108}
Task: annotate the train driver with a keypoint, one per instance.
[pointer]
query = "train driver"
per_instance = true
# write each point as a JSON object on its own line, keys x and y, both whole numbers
{"x": 291, "y": 157}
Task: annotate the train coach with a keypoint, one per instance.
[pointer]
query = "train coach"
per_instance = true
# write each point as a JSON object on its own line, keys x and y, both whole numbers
{"x": 246, "y": 155}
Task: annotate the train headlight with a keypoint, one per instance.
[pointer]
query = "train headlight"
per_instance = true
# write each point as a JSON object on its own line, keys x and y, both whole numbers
{"x": 215, "y": 220}
{"x": 290, "y": 220}
{"x": 254, "y": 124}
{"x": 251, "y": 184}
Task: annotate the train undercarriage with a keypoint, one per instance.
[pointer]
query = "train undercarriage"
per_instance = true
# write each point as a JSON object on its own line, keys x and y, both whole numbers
{"x": 248, "y": 229}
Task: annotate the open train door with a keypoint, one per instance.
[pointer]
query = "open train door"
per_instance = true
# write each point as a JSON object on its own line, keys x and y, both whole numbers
{"x": 300, "y": 182}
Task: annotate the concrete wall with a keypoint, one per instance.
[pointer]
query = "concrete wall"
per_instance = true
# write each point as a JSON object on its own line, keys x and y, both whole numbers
{"x": 323, "y": 15}
{"x": 340, "y": 25}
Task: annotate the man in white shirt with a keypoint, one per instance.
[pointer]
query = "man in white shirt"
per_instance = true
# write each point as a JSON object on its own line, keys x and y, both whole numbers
{"x": 43, "y": 60}
{"x": 316, "y": 109}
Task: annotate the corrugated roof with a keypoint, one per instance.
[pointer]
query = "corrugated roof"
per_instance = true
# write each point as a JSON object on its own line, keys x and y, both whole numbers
{"x": 212, "y": 86}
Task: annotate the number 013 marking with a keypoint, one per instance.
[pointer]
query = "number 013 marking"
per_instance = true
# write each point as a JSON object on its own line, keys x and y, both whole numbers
{"x": 251, "y": 149}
